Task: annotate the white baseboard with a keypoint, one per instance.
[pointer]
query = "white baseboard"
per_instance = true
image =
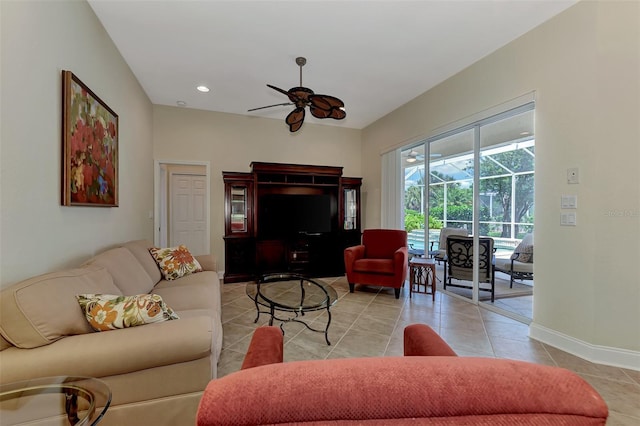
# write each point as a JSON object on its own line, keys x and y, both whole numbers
{"x": 614, "y": 357}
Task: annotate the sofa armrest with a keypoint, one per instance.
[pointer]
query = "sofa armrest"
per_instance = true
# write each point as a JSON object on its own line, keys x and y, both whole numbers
{"x": 421, "y": 340}
{"x": 351, "y": 254}
{"x": 266, "y": 347}
{"x": 400, "y": 259}
{"x": 208, "y": 262}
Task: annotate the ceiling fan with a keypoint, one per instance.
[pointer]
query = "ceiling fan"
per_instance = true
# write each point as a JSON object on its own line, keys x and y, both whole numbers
{"x": 320, "y": 106}
{"x": 414, "y": 156}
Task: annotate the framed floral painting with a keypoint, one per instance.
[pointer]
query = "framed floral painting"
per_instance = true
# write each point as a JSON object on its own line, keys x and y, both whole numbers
{"x": 90, "y": 147}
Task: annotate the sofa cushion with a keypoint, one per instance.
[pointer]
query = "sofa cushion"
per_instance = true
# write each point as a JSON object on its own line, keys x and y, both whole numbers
{"x": 110, "y": 312}
{"x": 4, "y": 344}
{"x": 43, "y": 309}
{"x": 188, "y": 297}
{"x": 175, "y": 262}
{"x": 195, "y": 291}
{"x": 127, "y": 273}
{"x": 140, "y": 249}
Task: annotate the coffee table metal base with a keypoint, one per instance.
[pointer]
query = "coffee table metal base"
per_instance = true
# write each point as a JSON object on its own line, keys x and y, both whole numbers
{"x": 295, "y": 294}
{"x": 295, "y": 318}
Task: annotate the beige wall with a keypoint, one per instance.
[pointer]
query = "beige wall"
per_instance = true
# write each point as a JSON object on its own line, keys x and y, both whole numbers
{"x": 230, "y": 142}
{"x": 39, "y": 40}
{"x": 584, "y": 66}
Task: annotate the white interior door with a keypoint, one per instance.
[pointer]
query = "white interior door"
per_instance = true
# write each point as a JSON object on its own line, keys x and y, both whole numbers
{"x": 187, "y": 214}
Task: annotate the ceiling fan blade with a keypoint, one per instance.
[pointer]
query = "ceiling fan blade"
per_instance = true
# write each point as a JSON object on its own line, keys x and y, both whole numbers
{"x": 284, "y": 92}
{"x": 269, "y": 106}
{"x": 336, "y": 114}
{"x": 325, "y": 106}
{"x": 295, "y": 119}
{"x": 326, "y": 101}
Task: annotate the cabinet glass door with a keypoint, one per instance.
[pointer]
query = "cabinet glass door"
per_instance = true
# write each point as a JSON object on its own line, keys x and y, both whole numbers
{"x": 238, "y": 209}
{"x": 350, "y": 209}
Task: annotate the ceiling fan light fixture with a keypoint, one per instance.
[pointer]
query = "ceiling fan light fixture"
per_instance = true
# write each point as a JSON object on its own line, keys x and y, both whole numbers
{"x": 411, "y": 160}
{"x": 320, "y": 106}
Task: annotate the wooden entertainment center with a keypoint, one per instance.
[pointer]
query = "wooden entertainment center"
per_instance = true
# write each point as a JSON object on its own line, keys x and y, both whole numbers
{"x": 289, "y": 218}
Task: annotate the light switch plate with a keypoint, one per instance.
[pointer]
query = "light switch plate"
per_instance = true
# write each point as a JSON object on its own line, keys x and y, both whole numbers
{"x": 568, "y": 219}
{"x": 569, "y": 202}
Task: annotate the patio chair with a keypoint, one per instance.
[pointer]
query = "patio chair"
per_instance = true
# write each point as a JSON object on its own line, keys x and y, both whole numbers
{"x": 441, "y": 252}
{"x": 519, "y": 265}
{"x": 459, "y": 265}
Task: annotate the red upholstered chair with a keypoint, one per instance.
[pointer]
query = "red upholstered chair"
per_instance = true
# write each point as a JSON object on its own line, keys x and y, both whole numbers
{"x": 429, "y": 385}
{"x": 380, "y": 260}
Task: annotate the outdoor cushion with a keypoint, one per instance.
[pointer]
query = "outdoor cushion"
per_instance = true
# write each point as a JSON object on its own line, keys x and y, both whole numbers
{"x": 504, "y": 264}
{"x": 524, "y": 251}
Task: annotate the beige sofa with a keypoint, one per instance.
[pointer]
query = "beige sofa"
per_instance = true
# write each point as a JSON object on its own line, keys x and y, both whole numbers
{"x": 156, "y": 372}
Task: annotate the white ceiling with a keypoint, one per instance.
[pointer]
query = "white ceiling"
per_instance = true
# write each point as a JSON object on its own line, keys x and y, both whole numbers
{"x": 374, "y": 55}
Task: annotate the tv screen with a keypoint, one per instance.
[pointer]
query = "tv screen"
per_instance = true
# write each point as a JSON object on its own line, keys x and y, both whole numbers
{"x": 282, "y": 215}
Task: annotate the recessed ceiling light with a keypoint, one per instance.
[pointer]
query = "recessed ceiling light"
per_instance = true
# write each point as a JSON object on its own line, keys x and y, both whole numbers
{"x": 203, "y": 89}
{"x": 525, "y": 133}
{"x": 181, "y": 103}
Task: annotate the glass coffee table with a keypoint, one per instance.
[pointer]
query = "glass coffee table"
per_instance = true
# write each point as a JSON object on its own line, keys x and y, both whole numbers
{"x": 54, "y": 401}
{"x": 292, "y": 293}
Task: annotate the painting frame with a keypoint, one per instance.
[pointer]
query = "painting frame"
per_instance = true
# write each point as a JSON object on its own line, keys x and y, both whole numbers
{"x": 89, "y": 147}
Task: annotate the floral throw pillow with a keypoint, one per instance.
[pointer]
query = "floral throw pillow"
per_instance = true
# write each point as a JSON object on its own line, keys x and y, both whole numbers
{"x": 175, "y": 262}
{"x": 111, "y": 312}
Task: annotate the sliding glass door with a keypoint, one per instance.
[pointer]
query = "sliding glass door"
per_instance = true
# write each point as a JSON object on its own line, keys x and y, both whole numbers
{"x": 506, "y": 195}
{"x": 479, "y": 180}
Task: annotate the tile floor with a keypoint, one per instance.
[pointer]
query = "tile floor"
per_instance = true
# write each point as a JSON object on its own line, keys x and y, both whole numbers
{"x": 370, "y": 322}
{"x": 521, "y": 305}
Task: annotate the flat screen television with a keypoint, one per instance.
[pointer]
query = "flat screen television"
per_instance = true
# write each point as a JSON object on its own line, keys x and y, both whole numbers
{"x": 285, "y": 215}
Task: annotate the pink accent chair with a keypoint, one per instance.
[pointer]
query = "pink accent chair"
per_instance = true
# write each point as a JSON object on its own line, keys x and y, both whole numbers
{"x": 380, "y": 260}
{"x": 429, "y": 385}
